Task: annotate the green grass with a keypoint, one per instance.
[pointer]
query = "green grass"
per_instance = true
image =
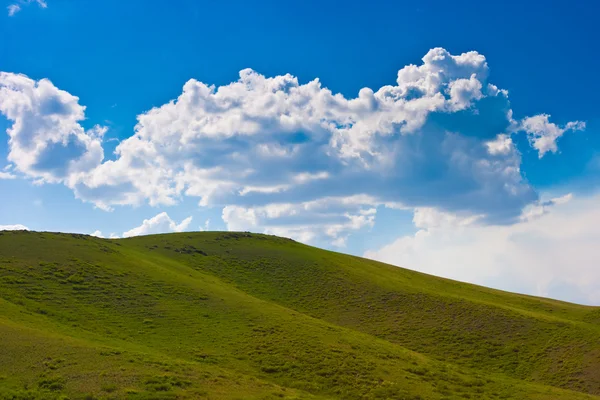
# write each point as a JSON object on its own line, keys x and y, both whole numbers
{"x": 244, "y": 316}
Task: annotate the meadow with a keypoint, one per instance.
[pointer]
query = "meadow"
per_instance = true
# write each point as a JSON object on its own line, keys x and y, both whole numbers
{"x": 223, "y": 315}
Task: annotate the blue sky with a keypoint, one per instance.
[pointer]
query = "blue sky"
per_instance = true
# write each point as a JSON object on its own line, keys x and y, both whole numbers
{"x": 472, "y": 162}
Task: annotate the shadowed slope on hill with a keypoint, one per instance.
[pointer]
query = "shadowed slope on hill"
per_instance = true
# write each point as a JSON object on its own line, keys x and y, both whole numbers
{"x": 232, "y": 315}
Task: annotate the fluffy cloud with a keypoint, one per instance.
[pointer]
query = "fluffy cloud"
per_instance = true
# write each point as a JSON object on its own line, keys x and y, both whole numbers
{"x": 46, "y": 141}
{"x": 100, "y": 235}
{"x": 160, "y": 223}
{"x": 501, "y": 145}
{"x": 266, "y": 140}
{"x": 543, "y": 134}
{"x": 17, "y": 227}
{"x": 552, "y": 252}
{"x": 16, "y": 7}
{"x": 440, "y": 137}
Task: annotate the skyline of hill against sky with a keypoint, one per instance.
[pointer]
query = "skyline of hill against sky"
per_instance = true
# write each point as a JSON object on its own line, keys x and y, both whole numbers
{"x": 460, "y": 140}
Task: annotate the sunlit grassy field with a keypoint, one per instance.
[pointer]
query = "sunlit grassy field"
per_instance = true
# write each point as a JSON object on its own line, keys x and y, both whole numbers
{"x": 245, "y": 316}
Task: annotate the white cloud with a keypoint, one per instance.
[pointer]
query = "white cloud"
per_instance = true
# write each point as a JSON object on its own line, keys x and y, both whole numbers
{"x": 431, "y": 218}
{"x": 438, "y": 138}
{"x": 464, "y": 91}
{"x": 285, "y": 139}
{"x": 17, "y": 227}
{"x": 543, "y": 134}
{"x": 16, "y": 7}
{"x": 100, "y": 235}
{"x": 13, "y": 9}
{"x": 160, "y": 223}
{"x": 239, "y": 218}
{"x": 328, "y": 219}
{"x": 553, "y": 254}
{"x": 206, "y": 226}
{"x": 502, "y": 144}
{"x": 263, "y": 189}
{"x": 304, "y": 177}
{"x": 6, "y": 175}
{"x": 46, "y": 141}
{"x": 538, "y": 209}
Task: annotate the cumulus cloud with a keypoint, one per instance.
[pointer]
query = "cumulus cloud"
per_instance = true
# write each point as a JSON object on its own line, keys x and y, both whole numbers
{"x": 286, "y": 140}
{"x": 46, "y": 141}
{"x": 16, "y": 7}
{"x": 440, "y": 137}
{"x": 553, "y": 253}
{"x": 544, "y": 134}
{"x": 17, "y": 227}
{"x": 160, "y": 223}
{"x": 501, "y": 145}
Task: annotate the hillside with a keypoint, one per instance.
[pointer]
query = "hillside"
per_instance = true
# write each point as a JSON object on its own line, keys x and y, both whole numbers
{"x": 222, "y": 315}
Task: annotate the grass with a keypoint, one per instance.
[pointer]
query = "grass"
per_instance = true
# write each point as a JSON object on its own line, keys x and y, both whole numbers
{"x": 243, "y": 316}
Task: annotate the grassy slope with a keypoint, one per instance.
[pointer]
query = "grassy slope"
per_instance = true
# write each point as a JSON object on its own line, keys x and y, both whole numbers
{"x": 222, "y": 315}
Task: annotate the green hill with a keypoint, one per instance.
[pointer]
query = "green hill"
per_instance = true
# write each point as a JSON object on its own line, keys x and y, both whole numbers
{"x": 244, "y": 316}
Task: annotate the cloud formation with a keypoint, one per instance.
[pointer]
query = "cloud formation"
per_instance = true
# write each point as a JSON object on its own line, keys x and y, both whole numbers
{"x": 440, "y": 137}
{"x": 6, "y": 175}
{"x": 46, "y": 141}
{"x": 543, "y": 134}
{"x": 330, "y": 219}
{"x": 17, "y": 227}
{"x": 16, "y": 7}
{"x": 552, "y": 253}
{"x": 160, "y": 223}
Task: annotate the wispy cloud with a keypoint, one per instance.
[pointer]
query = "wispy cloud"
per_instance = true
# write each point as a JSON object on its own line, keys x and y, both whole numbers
{"x": 6, "y": 175}
{"x": 16, "y": 7}
{"x": 13, "y": 9}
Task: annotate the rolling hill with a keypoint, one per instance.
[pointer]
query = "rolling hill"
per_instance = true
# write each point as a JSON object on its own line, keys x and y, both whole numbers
{"x": 223, "y": 315}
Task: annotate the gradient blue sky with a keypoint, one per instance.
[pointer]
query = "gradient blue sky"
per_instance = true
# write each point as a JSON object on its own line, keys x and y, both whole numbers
{"x": 433, "y": 197}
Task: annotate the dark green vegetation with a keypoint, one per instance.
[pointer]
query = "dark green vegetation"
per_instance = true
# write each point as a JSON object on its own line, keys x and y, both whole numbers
{"x": 234, "y": 315}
